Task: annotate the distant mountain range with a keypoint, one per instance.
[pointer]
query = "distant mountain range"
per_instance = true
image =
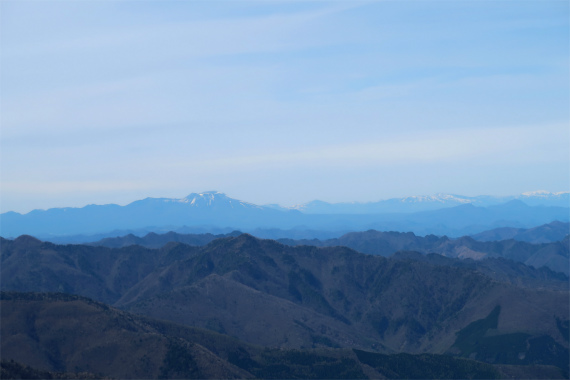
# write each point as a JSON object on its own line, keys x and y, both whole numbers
{"x": 217, "y": 303}
{"x": 429, "y": 203}
{"x": 210, "y": 211}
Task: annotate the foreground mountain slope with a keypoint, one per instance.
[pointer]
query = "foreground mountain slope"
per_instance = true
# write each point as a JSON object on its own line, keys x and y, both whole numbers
{"x": 263, "y": 292}
{"x": 67, "y": 333}
{"x": 267, "y": 293}
{"x": 403, "y": 304}
{"x": 9, "y": 369}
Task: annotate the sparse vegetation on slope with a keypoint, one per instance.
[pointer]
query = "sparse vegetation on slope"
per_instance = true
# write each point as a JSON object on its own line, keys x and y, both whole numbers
{"x": 65, "y": 336}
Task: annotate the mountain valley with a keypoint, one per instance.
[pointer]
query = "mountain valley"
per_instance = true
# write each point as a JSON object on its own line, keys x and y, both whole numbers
{"x": 305, "y": 297}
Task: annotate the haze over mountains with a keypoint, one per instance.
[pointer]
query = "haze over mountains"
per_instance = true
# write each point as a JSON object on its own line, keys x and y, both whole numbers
{"x": 441, "y": 215}
{"x": 429, "y": 203}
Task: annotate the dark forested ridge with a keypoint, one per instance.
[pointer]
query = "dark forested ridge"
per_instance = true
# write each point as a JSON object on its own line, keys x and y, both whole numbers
{"x": 553, "y": 255}
{"x": 61, "y": 336}
{"x": 154, "y": 240}
{"x": 305, "y": 297}
{"x": 66, "y": 333}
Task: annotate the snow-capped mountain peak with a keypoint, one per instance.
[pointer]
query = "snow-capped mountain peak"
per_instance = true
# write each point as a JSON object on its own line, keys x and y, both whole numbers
{"x": 212, "y": 199}
{"x": 437, "y": 198}
{"x": 543, "y": 193}
{"x": 206, "y": 198}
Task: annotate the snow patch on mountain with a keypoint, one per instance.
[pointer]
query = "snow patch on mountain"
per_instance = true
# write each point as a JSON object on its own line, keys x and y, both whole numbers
{"x": 213, "y": 198}
{"x": 544, "y": 194}
{"x": 417, "y": 203}
{"x": 441, "y": 198}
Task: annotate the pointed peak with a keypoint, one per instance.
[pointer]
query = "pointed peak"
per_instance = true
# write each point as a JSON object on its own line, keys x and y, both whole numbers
{"x": 206, "y": 197}
{"x": 205, "y": 194}
{"x": 246, "y": 237}
{"x": 245, "y": 241}
{"x": 27, "y": 239}
{"x": 436, "y": 198}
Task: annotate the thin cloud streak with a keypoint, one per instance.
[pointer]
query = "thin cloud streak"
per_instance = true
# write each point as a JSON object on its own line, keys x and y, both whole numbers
{"x": 64, "y": 187}
{"x": 482, "y": 145}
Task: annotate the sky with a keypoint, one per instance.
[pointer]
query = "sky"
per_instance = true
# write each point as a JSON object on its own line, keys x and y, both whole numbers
{"x": 281, "y": 101}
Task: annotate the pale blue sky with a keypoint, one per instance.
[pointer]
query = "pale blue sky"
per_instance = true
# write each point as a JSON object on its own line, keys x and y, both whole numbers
{"x": 281, "y": 102}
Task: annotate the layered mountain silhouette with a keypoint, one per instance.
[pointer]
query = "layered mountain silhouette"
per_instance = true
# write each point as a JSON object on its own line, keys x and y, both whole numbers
{"x": 209, "y": 209}
{"x": 554, "y": 255}
{"x": 184, "y": 294}
{"x": 215, "y": 210}
{"x": 154, "y": 240}
{"x": 305, "y": 297}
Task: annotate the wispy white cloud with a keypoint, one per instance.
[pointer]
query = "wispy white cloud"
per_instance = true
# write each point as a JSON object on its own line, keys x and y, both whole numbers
{"x": 485, "y": 146}
{"x": 194, "y": 38}
{"x": 32, "y": 187}
{"x": 160, "y": 78}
